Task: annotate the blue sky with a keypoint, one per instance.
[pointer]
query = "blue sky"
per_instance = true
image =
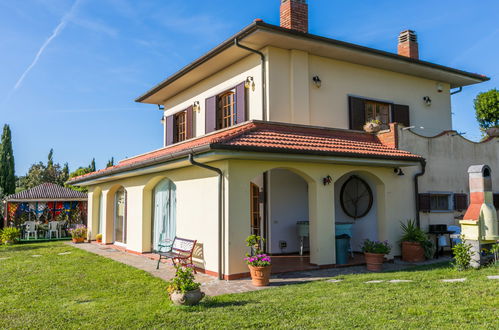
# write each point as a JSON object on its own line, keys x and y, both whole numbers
{"x": 70, "y": 70}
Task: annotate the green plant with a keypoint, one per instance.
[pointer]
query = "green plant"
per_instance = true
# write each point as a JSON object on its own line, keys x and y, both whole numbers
{"x": 462, "y": 255}
{"x": 10, "y": 235}
{"x": 80, "y": 231}
{"x": 412, "y": 233}
{"x": 255, "y": 242}
{"x": 487, "y": 109}
{"x": 376, "y": 247}
{"x": 374, "y": 121}
{"x": 98, "y": 237}
{"x": 495, "y": 252}
{"x": 183, "y": 280}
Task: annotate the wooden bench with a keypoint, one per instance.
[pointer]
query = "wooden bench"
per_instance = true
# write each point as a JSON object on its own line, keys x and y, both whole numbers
{"x": 180, "y": 252}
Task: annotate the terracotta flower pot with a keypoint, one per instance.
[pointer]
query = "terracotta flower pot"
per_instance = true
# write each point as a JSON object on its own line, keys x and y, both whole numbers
{"x": 78, "y": 240}
{"x": 99, "y": 241}
{"x": 188, "y": 298}
{"x": 374, "y": 261}
{"x": 412, "y": 252}
{"x": 260, "y": 276}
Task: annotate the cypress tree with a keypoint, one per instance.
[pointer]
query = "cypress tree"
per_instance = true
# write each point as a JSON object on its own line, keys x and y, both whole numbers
{"x": 7, "y": 171}
{"x": 92, "y": 165}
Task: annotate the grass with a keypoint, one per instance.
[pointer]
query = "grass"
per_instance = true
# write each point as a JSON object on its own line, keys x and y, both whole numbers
{"x": 84, "y": 290}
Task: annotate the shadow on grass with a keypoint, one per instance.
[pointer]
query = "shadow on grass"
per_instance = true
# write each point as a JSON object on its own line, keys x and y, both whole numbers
{"x": 19, "y": 248}
{"x": 211, "y": 303}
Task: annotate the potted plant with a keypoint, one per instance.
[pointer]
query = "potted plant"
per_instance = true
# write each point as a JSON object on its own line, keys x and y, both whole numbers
{"x": 182, "y": 289}
{"x": 78, "y": 234}
{"x": 372, "y": 126}
{"x": 258, "y": 262}
{"x": 374, "y": 252}
{"x": 98, "y": 237}
{"x": 487, "y": 111}
{"x": 9, "y": 235}
{"x": 416, "y": 246}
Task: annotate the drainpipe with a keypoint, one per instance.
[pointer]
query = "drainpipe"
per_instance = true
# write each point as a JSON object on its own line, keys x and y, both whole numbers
{"x": 459, "y": 90}
{"x": 264, "y": 76}
{"x": 220, "y": 211}
{"x": 416, "y": 190}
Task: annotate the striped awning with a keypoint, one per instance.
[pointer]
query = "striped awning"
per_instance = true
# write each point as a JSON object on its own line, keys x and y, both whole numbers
{"x": 47, "y": 192}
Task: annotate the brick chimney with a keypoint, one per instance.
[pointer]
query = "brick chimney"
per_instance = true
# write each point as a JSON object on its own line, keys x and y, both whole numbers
{"x": 294, "y": 15}
{"x": 408, "y": 44}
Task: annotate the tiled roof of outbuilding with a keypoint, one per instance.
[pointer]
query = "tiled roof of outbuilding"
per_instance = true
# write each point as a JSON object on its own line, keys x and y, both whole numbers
{"x": 259, "y": 136}
{"x": 47, "y": 191}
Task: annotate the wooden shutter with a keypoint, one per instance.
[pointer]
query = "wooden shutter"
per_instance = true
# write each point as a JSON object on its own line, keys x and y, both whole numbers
{"x": 170, "y": 130}
{"x": 424, "y": 202}
{"x": 240, "y": 103}
{"x": 460, "y": 202}
{"x": 189, "y": 123}
{"x": 210, "y": 113}
{"x": 400, "y": 114}
{"x": 357, "y": 113}
{"x": 496, "y": 201}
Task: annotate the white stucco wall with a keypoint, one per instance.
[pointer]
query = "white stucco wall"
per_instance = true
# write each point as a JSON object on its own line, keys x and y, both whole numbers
{"x": 448, "y": 158}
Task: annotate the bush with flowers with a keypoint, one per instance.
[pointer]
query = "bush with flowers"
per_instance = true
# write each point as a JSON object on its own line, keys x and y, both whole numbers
{"x": 79, "y": 232}
{"x": 260, "y": 260}
{"x": 376, "y": 247}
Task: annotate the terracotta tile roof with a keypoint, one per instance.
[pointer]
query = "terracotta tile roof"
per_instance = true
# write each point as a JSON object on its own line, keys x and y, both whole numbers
{"x": 275, "y": 137}
{"x": 47, "y": 191}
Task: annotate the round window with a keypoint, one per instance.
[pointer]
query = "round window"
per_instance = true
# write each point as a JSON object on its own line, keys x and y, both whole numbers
{"x": 356, "y": 197}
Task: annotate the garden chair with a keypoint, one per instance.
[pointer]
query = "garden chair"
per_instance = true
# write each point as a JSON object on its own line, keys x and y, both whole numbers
{"x": 181, "y": 252}
{"x": 30, "y": 230}
{"x": 53, "y": 228}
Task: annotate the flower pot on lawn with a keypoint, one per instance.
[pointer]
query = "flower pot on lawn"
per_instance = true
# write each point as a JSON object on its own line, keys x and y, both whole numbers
{"x": 188, "y": 298}
{"x": 78, "y": 240}
{"x": 260, "y": 276}
{"x": 374, "y": 261}
{"x": 412, "y": 252}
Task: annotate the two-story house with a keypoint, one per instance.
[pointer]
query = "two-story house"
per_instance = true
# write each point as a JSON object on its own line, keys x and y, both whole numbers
{"x": 266, "y": 131}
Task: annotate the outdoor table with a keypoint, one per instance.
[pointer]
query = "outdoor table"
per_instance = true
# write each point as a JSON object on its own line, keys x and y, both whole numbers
{"x": 437, "y": 235}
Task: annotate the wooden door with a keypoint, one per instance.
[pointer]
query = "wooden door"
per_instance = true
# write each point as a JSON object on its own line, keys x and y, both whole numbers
{"x": 256, "y": 220}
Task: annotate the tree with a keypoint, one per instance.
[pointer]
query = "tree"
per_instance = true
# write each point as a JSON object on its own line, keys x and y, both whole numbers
{"x": 487, "y": 109}
{"x": 40, "y": 173}
{"x": 110, "y": 162}
{"x": 92, "y": 165}
{"x": 80, "y": 171}
{"x": 7, "y": 170}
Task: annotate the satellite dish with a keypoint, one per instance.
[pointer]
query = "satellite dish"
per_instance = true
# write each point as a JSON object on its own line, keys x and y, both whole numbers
{"x": 356, "y": 197}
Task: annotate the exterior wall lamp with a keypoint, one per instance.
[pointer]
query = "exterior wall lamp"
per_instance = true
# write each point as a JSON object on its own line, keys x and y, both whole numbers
{"x": 250, "y": 82}
{"x": 427, "y": 101}
{"x": 327, "y": 180}
{"x": 196, "y": 107}
{"x": 398, "y": 171}
{"x": 317, "y": 81}
{"x": 163, "y": 120}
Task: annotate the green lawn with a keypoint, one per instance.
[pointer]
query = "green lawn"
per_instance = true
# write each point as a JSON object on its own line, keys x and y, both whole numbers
{"x": 84, "y": 290}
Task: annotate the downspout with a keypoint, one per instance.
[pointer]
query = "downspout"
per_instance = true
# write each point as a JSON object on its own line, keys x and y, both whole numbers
{"x": 264, "y": 76}
{"x": 220, "y": 211}
{"x": 459, "y": 90}
{"x": 416, "y": 190}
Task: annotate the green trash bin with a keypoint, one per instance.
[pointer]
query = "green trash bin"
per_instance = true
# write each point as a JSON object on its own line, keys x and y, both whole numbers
{"x": 342, "y": 245}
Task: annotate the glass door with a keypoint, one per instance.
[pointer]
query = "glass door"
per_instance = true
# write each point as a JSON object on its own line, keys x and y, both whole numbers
{"x": 120, "y": 217}
{"x": 164, "y": 222}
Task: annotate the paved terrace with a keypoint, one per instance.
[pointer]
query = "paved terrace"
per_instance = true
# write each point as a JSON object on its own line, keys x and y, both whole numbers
{"x": 211, "y": 286}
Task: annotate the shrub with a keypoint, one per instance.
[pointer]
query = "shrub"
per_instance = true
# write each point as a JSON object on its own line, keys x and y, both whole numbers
{"x": 98, "y": 237}
{"x": 80, "y": 231}
{"x": 487, "y": 109}
{"x": 10, "y": 235}
{"x": 183, "y": 280}
{"x": 462, "y": 255}
{"x": 256, "y": 258}
{"x": 412, "y": 233}
{"x": 376, "y": 247}
{"x": 260, "y": 260}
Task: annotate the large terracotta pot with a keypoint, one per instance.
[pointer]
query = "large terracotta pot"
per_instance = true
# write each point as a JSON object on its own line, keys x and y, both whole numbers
{"x": 412, "y": 252}
{"x": 374, "y": 261}
{"x": 189, "y": 298}
{"x": 78, "y": 240}
{"x": 99, "y": 241}
{"x": 260, "y": 276}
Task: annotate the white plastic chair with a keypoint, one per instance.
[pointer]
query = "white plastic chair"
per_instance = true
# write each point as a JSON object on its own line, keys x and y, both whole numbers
{"x": 30, "y": 230}
{"x": 53, "y": 228}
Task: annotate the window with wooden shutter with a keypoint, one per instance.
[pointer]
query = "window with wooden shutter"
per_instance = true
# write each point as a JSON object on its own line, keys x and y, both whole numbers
{"x": 377, "y": 111}
{"x": 210, "y": 114}
{"x": 460, "y": 202}
{"x": 189, "y": 117}
{"x": 424, "y": 202}
{"x": 357, "y": 113}
{"x": 170, "y": 130}
{"x": 180, "y": 126}
{"x": 400, "y": 114}
{"x": 240, "y": 103}
{"x": 226, "y": 112}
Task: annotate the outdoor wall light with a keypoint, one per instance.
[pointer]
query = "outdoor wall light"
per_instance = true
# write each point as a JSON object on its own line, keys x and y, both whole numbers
{"x": 427, "y": 101}
{"x": 398, "y": 171}
{"x": 440, "y": 87}
{"x": 317, "y": 81}
{"x": 196, "y": 107}
{"x": 162, "y": 120}
{"x": 160, "y": 107}
{"x": 250, "y": 82}
{"x": 327, "y": 180}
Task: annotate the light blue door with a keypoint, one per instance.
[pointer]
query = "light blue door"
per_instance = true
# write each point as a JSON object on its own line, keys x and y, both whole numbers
{"x": 164, "y": 222}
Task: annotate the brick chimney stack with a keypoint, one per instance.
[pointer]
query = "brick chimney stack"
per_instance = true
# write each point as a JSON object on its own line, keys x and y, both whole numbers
{"x": 408, "y": 44}
{"x": 294, "y": 15}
